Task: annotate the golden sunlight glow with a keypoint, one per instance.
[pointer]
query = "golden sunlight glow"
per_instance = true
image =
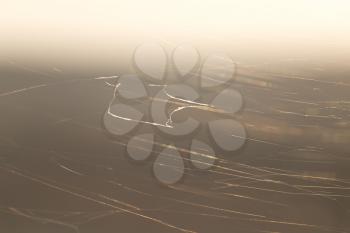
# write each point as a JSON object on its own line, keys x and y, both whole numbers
{"x": 259, "y": 23}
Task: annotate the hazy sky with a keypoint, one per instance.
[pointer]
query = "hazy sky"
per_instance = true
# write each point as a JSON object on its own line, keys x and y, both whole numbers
{"x": 276, "y": 25}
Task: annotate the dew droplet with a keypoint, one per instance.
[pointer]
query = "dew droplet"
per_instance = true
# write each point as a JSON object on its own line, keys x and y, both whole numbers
{"x": 228, "y": 134}
{"x": 169, "y": 167}
{"x": 185, "y": 59}
{"x": 121, "y": 119}
{"x": 217, "y": 70}
{"x": 202, "y": 155}
{"x": 151, "y": 59}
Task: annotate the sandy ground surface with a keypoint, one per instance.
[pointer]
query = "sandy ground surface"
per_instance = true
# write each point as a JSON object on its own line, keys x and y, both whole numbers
{"x": 61, "y": 172}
